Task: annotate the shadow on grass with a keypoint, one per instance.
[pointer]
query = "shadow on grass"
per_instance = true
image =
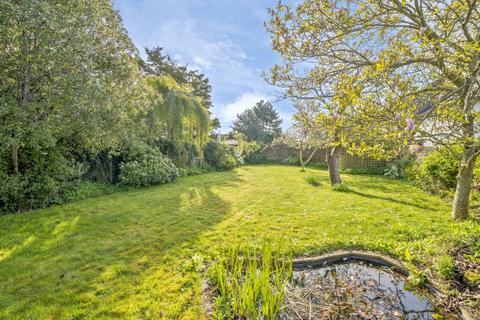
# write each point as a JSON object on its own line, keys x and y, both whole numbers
{"x": 114, "y": 256}
{"x": 402, "y": 202}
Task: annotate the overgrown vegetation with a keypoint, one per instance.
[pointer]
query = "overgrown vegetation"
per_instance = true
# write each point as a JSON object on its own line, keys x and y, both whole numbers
{"x": 249, "y": 285}
{"x": 79, "y": 106}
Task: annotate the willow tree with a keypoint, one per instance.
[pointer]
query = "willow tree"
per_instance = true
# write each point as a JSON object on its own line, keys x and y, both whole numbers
{"x": 176, "y": 115}
{"x": 384, "y": 62}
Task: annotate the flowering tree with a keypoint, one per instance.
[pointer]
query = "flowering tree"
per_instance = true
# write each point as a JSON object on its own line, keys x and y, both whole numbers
{"x": 304, "y": 135}
{"x": 402, "y": 70}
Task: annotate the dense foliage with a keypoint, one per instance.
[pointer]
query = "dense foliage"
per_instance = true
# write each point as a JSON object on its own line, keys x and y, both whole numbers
{"x": 217, "y": 157}
{"x": 436, "y": 172}
{"x": 78, "y": 104}
{"x": 153, "y": 168}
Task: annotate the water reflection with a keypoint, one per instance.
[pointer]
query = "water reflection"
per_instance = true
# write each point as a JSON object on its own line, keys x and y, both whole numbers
{"x": 352, "y": 291}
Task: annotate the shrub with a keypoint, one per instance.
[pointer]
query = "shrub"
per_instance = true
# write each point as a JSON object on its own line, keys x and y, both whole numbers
{"x": 437, "y": 172}
{"x": 43, "y": 179}
{"x": 445, "y": 266}
{"x": 340, "y": 187}
{"x": 227, "y": 162}
{"x": 251, "y": 151}
{"x": 213, "y": 153}
{"x": 441, "y": 167}
{"x": 217, "y": 157}
{"x": 397, "y": 169}
{"x": 80, "y": 190}
{"x": 313, "y": 180}
{"x": 257, "y": 158}
{"x": 194, "y": 170}
{"x": 371, "y": 171}
{"x": 293, "y": 160}
{"x": 153, "y": 168}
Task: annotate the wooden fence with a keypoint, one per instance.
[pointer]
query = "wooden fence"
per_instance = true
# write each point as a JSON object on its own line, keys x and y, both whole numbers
{"x": 280, "y": 153}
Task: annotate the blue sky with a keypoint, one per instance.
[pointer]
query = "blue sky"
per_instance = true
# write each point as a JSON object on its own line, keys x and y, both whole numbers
{"x": 225, "y": 39}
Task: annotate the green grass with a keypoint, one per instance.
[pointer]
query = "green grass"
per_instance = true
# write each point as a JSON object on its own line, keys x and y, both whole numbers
{"x": 139, "y": 254}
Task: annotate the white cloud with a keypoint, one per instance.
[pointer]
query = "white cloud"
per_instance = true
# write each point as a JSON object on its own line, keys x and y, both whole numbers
{"x": 202, "y": 63}
{"x": 227, "y": 113}
{"x": 230, "y": 53}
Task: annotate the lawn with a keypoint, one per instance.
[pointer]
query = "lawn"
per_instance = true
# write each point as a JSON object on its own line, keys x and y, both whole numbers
{"x": 139, "y": 254}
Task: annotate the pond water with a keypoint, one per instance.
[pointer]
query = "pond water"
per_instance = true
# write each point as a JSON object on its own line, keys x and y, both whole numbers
{"x": 352, "y": 291}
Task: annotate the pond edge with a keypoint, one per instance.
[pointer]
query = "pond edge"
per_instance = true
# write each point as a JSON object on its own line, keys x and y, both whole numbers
{"x": 344, "y": 256}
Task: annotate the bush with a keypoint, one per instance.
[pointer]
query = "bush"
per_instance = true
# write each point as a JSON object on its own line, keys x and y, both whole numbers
{"x": 437, "y": 172}
{"x": 251, "y": 151}
{"x": 371, "y": 171}
{"x": 43, "y": 180}
{"x": 227, "y": 162}
{"x": 217, "y": 157}
{"x": 293, "y": 160}
{"x": 213, "y": 153}
{"x": 194, "y": 170}
{"x": 153, "y": 168}
{"x": 80, "y": 190}
{"x": 442, "y": 168}
{"x": 313, "y": 180}
{"x": 397, "y": 169}
{"x": 340, "y": 187}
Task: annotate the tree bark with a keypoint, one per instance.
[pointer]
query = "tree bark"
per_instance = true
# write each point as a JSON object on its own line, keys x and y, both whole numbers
{"x": 461, "y": 200}
{"x": 15, "y": 158}
{"x": 25, "y": 95}
{"x": 333, "y": 169}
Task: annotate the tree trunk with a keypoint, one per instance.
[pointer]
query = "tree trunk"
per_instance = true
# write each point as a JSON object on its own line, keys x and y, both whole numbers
{"x": 15, "y": 158}
{"x": 300, "y": 158}
{"x": 25, "y": 95}
{"x": 333, "y": 169}
{"x": 464, "y": 184}
{"x": 311, "y": 156}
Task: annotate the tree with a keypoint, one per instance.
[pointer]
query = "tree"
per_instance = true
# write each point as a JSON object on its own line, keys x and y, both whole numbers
{"x": 305, "y": 135}
{"x": 381, "y": 62}
{"x": 68, "y": 70}
{"x": 260, "y": 123}
{"x": 69, "y": 84}
{"x": 180, "y": 99}
{"x": 161, "y": 64}
{"x": 176, "y": 115}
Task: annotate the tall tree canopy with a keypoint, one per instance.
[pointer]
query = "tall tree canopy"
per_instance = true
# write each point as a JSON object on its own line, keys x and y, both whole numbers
{"x": 177, "y": 115}
{"x": 180, "y": 101}
{"x": 67, "y": 72}
{"x": 161, "y": 64}
{"x": 381, "y": 63}
{"x": 260, "y": 123}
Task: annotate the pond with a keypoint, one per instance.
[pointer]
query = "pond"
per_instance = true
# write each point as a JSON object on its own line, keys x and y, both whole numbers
{"x": 353, "y": 290}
